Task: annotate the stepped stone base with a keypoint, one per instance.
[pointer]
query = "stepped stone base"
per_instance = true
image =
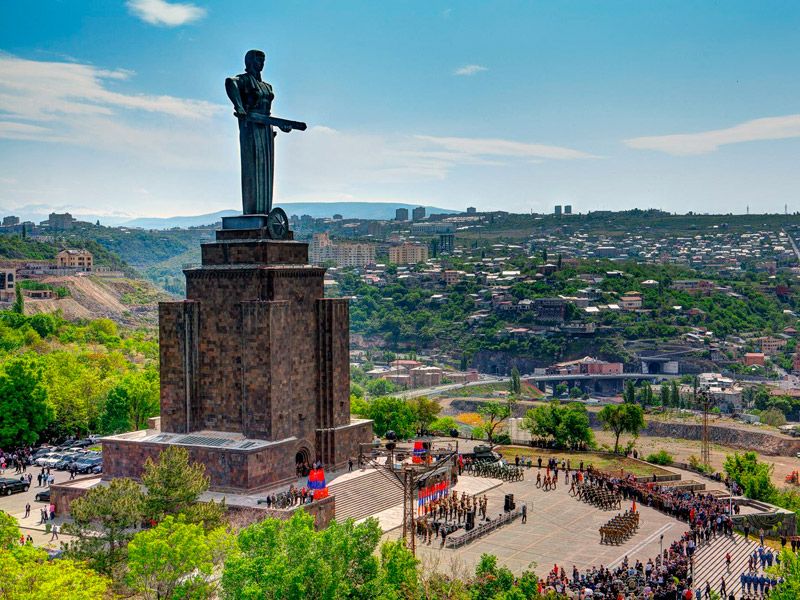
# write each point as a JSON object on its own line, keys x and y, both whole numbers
{"x": 234, "y": 463}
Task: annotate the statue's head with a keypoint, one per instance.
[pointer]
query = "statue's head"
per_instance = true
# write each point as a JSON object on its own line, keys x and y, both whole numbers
{"x": 254, "y": 61}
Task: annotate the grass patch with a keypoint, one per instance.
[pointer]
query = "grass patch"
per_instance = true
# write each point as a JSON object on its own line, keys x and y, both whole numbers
{"x": 603, "y": 462}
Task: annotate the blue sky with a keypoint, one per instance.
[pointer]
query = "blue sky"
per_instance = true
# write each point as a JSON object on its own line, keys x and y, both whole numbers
{"x": 117, "y": 108}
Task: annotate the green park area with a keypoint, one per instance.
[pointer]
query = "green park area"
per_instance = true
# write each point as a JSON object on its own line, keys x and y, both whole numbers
{"x": 608, "y": 463}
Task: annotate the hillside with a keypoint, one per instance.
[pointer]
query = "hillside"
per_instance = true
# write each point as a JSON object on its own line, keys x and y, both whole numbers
{"x": 127, "y": 301}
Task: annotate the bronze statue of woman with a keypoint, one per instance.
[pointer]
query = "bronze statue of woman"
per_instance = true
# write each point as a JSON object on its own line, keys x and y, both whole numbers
{"x": 252, "y": 101}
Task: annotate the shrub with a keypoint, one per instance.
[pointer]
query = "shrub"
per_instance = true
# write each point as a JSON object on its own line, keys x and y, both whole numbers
{"x": 662, "y": 457}
{"x": 502, "y": 439}
{"x": 773, "y": 417}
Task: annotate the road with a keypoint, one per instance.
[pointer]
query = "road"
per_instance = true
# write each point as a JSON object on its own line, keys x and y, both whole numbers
{"x": 440, "y": 389}
{"x": 794, "y": 246}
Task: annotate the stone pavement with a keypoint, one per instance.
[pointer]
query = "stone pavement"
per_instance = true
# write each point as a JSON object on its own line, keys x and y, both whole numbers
{"x": 15, "y": 506}
{"x": 560, "y": 530}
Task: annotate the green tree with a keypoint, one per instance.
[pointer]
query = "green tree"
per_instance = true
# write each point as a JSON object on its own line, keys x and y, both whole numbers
{"x": 788, "y": 570}
{"x": 103, "y": 522}
{"x": 664, "y": 395}
{"x": 425, "y": 411}
{"x": 560, "y": 390}
{"x": 575, "y": 393}
{"x": 132, "y": 402}
{"x": 380, "y": 387}
{"x": 444, "y": 424}
{"x": 566, "y": 425}
{"x": 24, "y": 409}
{"x": 622, "y": 418}
{"x": 173, "y": 560}
{"x": 674, "y": 394}
{"x": 753, "y": 476}
{"x": 493, "y": 414}
{"x": 174, "y": 486}
{"x": 629, "y": 393}
{"x": 515, "y": 385}
{"x": 645, "y": 394}
{"x": 773, "y": 417}
{"x": 291, "y": 560}
{"x": 392, "y": 414}
{"x": 399, "y": 570}
{"x": 9, "y": 531}
{"x": 27, "y": 573}
{"x": 19, "y": 301}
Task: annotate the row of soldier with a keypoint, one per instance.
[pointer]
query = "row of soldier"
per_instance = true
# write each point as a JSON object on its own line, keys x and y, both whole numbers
{"x": 445, "y": 515}
{"x": 620, "y": 528}
{"x": 598, "y": 494}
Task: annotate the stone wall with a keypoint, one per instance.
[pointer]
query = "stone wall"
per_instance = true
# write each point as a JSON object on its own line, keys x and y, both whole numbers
{"x": 762, "y": 441}
{"x": 62, "y": 495}
{"x": 323, "y": 511}
{"x": 229, "y": 470}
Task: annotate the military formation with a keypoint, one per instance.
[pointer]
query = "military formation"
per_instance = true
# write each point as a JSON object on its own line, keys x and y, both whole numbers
{"x": 620, "y": 528}
{"x": 441, "y": 517}
{"x": 496, "y": 470}
{"x": 599, "y": 495}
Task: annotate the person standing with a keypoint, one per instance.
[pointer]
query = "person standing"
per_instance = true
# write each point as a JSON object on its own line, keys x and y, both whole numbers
{"x": 55, "y": 532}
{"x": 524, "y": 513}
{"x": 350, "y": 465}
{"x": 27, "y": 510}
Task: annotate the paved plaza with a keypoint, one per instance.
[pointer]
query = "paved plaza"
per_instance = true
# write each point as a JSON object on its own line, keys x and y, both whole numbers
{"x": 560, "y": 530}
{"x": 15, "y": 506}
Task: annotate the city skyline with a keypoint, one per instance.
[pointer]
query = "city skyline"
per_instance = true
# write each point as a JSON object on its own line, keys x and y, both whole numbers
{"x": 119, "y": 109}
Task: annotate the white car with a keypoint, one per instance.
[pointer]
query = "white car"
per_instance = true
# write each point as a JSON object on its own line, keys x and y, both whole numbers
{"x": 50, "y": 460}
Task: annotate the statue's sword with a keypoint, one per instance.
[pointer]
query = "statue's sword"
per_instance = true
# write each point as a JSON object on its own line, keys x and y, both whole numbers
{"x": 282, "y": 124}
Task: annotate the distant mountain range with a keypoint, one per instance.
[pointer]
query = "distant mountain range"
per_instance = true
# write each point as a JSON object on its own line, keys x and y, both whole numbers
{"x": 348, "y": 210}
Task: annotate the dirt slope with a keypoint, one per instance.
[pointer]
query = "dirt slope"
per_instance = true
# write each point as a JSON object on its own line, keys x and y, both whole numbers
{"x": 130, "y": 302}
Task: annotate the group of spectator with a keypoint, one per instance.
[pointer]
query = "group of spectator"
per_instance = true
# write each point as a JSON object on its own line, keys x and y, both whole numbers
{"x": 668, "y": 577}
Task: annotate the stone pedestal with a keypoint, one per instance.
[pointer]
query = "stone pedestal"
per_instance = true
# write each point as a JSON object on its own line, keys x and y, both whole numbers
{"x": 255, "y": 356}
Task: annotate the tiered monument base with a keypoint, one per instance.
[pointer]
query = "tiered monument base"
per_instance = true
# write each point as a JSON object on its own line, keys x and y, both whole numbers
{"x": 255, "y": 369}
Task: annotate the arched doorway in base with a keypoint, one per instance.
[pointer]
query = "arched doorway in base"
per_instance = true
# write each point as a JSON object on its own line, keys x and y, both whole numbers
{"x": 302, "y": 461}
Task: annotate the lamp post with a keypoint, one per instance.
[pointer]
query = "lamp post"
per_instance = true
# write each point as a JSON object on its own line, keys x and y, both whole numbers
{"x": 661, "y": 545}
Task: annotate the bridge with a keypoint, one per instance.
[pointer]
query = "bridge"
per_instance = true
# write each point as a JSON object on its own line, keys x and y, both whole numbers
{"x": 602, "y": 384}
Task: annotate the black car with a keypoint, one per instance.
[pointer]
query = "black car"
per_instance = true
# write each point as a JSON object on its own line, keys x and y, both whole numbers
{"x": 92, "y": 464}
{"x": 43, "y": 496}
{"x": 12, "y": 486}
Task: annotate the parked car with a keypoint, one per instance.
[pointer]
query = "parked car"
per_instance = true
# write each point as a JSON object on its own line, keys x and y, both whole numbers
{"x": 85, "y": 443}
{"x": 43, "y": 496}
{"x": 40, "y": 452}
{"x": 90, "y": 465}
{"x": 12, "y": 486}
{"x": 68, "y": 459}
{"x": 50, "y": 460}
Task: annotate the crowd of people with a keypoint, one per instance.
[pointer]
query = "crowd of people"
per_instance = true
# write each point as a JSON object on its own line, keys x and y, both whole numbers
{"x": 669, "y": 575}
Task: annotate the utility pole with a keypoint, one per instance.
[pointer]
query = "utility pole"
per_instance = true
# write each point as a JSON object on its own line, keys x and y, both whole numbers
{"x": 705, "y": 450}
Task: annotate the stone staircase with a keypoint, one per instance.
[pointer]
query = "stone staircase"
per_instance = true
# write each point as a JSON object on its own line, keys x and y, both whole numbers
{"x": 366, "y": 495}
{"x": 709, "y": 562}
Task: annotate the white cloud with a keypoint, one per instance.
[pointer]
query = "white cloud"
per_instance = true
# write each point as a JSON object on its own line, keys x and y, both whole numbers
{"x": 478, "y": 147}
{"x": 704, "y": 142}
{"x": 169, "y": 14}
{"x": 468, "y": 70}
{"x": 75, "y": 103}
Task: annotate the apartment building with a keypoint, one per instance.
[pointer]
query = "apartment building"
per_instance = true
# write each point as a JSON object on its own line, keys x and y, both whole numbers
{"x": 408, "y": 254}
